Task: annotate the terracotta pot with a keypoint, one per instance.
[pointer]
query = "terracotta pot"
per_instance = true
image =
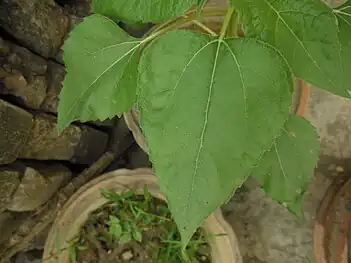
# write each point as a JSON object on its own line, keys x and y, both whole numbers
{"x": 74, "y": 214}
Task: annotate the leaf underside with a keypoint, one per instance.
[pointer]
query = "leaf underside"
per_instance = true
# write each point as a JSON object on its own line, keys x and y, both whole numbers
{"x": 142, "y": 10}
{"x": 343, "y": 14}
{"x": 102, "y": 65}
{"x": 284, "y": 172}
{"x": 209, "y": 109}
{"x": 304, "y": 31}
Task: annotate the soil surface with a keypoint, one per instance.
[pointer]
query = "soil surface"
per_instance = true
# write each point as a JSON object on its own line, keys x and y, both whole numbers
{"x": 159, "y": 241}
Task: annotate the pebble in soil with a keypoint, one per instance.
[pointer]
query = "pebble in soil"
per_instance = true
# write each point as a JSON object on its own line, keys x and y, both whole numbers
{"x": 134, "y": 228}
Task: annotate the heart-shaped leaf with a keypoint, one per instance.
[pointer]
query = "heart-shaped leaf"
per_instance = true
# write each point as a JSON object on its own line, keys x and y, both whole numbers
{"x": 304, "y": 31}
{"x": 210, "y": 109}
{"x": 102, "y": 63}
{"x": 142, "y": 10}
{"x": 285, "y": 171}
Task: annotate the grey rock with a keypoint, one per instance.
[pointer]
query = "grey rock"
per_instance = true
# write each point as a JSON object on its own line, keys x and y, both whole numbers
{"x": 330, "y": 114}
{"x": 14, "y": 57}
{"x": 55, "y": 76}
{"x": 78, "y": 144}
{"x": 92, "y": 145}
{"x": 266, "y": 230}
{"x": 9, "y": 181}
{"x": 31, "y": 91}
{"x": 22, "y": 74}
{"x": 40, "y": 25}
{"x": 38, "y": 184}
{"x": 15, "y": 127}
{"x": 27, "y": 257}
{"x": 137, "y": 158}
{"x": 8, "y": 225}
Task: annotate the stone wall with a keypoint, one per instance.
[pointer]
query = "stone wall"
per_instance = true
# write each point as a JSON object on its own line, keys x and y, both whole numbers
{"x": 35, "y": 160}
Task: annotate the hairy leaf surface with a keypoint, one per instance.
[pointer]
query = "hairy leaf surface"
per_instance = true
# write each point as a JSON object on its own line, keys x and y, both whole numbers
{"x": 343, "y": 14}
{"x": 285, "y": 170}
{"x": 102, "y": 65}
{"x": 304, "y": 31}
{"x": 142, "y": 10}
{"x": 209, "y": 109}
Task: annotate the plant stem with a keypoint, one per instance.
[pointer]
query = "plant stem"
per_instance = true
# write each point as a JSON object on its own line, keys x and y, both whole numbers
{"x": 208, "y": 30}
{"x": 181, "y": 22}
{"x": 226, "y": 22}
{"x": 233, "y": 26}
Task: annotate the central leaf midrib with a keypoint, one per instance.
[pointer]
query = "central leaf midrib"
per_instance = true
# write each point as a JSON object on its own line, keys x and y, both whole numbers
{"x": 204, "y": 125}
{"x": 299, "y": 41}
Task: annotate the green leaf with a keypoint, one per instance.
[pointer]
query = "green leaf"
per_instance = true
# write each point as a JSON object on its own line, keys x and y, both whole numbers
{"x": 137, "y": 235}
{"x": 304, "y": 31}
{"x": 285, "y": 170}
{"x": 142, "y": 10}
{"x": 101, "y": 63}
{"x": 125, "y": 238}
{"x": 209, "y": 109}
{"x": 73, "y": 255}
{"x": 343, "y": 14}
{"x": 115, "y": 229}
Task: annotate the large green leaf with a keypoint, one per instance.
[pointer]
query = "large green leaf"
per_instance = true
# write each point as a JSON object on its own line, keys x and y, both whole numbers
{"x": 304, "y": 31}
{"x": 142, "y": 10}
{"x": 344, "y": 18}
{"x": 209, "y": 109}
{"x": 102, "y": 65}
{"x": 286, "y": 169}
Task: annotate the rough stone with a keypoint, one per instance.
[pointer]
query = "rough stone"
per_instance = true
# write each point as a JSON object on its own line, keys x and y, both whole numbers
{"x": 137, "y": 158}
{"x": 330, "y": 114}
{"x": 6, "y": 226}
{"x": 27, "y": 257}
{"x": 9, "y": 223}
{"x": 55, "y": 76}
{"x": 91, "y": 146}
{"x": 22, "y": 75}
{"x": 78, "y": 144}
{"x": 15, "y": 127}
{"x": 38, "y": 184}
{"x": 267, "y": 231}
{"x": 14, "y": 57}
{"x": 41, "y": 25}
{"x": 80, "y": 8}
{"x": 9, "y": 181}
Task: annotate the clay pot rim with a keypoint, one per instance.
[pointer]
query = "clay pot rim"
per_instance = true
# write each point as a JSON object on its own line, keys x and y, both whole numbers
{"x": 87, "y": 199}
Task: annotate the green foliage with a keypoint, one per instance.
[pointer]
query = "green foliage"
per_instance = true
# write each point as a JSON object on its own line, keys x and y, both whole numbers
{"x": 343, "y": 14}
{"x": 214, "y": 109}
{"x": 141, "y": 10}
{"x": 204, "y": 163}
{"x": 285, "y": 169}
{"x": 103, "y": 84}
{"x": 304, "y": 31}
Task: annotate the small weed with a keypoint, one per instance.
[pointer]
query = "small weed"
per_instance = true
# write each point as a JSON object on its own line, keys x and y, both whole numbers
{"x": 129, "y": 218}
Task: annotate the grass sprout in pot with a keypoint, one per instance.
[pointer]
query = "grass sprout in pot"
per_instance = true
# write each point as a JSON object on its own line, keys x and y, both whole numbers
{"x": 123, "y": 217}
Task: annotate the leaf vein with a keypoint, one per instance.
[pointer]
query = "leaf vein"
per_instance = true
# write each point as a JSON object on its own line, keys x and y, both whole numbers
{"x": 97, "y": 78}
{"x": 298, "y": 40}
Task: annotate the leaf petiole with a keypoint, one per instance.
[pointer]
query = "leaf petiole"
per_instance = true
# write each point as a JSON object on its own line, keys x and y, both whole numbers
{"x": 201, "y": 25}
{"x": 226, "y": 22}
{"x": 176, "y": 24}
